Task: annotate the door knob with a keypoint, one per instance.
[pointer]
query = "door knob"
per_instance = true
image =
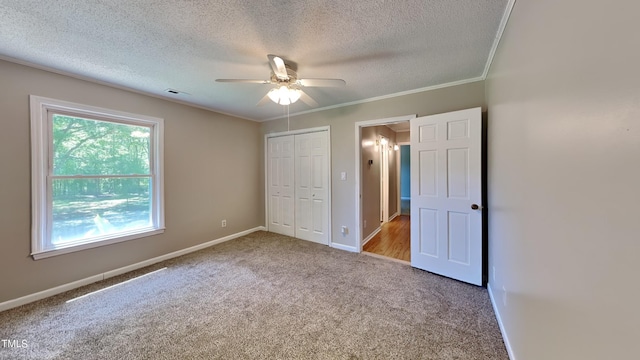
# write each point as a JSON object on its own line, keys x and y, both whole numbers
{"x": 475, "y": 207}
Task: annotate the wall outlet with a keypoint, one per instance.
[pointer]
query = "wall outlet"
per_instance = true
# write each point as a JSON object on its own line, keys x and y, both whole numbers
{"x": 224, "y": 223}
{"x": 493, "y": 275}
{"x": 365, "y": 224}
{"x": 343, "y": 176}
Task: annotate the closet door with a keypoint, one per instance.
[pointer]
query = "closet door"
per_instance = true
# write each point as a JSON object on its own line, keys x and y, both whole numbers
{"x": 311, "y": 187}
{"x": 281, "y": 185}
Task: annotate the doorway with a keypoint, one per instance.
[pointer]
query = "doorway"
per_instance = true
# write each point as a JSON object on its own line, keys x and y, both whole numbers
{"x": 383, "y": 229}
{"x": 446, "y": 193}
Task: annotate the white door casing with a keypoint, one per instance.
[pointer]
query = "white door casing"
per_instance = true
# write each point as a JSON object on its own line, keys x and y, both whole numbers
{"x": 311, "y": 187}
{"x": 446, "y": 173}
{"x": 281, "y": 184}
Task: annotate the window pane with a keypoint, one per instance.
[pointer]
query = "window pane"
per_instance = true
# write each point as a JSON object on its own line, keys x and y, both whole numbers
{"x": 86, "y": 208}
{"x": 92, "y": 147}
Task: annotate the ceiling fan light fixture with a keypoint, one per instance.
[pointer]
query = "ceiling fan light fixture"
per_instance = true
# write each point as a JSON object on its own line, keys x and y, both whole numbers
{"x": 284, "y": 95}
{"x": 294, "y": 95}
{"x": 285, "y": 101}
{"x": 274, "y": 95}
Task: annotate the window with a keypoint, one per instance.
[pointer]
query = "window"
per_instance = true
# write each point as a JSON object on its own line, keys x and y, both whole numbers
{"x": 96, "y": 176}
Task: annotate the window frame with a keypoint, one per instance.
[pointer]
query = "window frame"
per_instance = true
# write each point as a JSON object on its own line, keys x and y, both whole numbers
{"x": 41, "y": 151}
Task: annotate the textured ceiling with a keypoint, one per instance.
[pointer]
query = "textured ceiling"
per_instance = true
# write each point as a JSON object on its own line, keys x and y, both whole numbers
{"x": 379, "y": 47}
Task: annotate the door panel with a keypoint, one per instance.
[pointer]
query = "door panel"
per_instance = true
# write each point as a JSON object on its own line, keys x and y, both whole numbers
{"x": 458, "y": 237}
{"x": 457, "y": 173}
{"x": 428, "y": 222}
{"x": 274, "y": 214}
{"x": 318, "y": 173}
{"x": 428, "y": 175}
{"x": 317, "y": 215}
{"x": 446, "y": 236}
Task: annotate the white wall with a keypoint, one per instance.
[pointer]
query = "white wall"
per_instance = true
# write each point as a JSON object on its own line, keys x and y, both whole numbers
{"x": 563, "y": 99}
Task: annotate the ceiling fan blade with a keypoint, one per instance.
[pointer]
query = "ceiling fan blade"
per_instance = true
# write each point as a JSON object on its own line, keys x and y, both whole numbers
{"x": 246, "y": 81}
{"x": 264, "y": 100}
{"x": 307, "y": 99}
{"x": 322, "y": 82}
{"x": 277, "y": 65}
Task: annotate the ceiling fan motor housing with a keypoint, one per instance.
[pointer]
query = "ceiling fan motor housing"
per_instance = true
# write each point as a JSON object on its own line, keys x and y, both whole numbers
{"x": 293, "y": 77}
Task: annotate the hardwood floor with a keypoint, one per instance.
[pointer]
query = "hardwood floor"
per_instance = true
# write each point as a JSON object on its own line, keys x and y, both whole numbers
{"x": 393, "y": 240}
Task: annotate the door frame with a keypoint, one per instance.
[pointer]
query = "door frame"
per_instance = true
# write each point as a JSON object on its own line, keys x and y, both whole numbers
{"x": 266, "y": 172}
{"x": 358, "y": 154}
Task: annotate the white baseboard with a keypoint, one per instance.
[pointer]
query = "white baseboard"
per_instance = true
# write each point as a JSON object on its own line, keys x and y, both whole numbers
{"x": 394, "y": 216}
{"x": 10, "y": 304}
{"x": 108, "y": 274}
{"x": 344, "y": 247}
{"x": 374, "y": 233}
{"x": 500, "y": 324}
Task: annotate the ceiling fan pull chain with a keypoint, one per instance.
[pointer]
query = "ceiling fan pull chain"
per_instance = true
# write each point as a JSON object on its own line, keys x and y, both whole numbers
{"x": 288, "y": 123}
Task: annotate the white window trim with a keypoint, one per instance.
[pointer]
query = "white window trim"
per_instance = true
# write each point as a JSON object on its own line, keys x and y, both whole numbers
{"x": 40, "y": 149}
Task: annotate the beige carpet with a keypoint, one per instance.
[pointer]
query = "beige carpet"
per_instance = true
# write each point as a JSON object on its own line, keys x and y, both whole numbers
{"x": 262, "y": 296}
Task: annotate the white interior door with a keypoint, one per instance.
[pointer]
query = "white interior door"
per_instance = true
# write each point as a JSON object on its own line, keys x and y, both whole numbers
{"x": 281, "y": 185}
{"x": 311, "y": 187}
{"x": 446, "y": 193}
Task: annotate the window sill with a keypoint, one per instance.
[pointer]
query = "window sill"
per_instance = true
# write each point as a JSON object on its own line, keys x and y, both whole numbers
{"x": 37, "y": 255}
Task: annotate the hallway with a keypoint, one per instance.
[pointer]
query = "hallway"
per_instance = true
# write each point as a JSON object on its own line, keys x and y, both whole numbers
{"x": 393, "y": 240}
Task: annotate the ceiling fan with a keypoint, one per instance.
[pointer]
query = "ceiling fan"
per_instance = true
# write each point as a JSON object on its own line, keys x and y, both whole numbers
{"x": 288, "y": 86}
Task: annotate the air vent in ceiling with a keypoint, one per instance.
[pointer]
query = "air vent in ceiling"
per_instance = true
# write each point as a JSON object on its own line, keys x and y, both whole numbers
{"x": 175, "y": 92}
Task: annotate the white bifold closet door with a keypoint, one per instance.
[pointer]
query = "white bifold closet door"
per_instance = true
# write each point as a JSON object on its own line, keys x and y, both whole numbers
{"x": 281, "y": 185}
{"x": 300, "y": 175}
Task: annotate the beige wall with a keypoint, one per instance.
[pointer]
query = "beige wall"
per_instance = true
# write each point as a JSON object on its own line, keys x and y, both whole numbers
{"x": 563, "y": 100}
{"x": 212, "y": 164}
{"x": 370, "y": 177}
{"x": 343, "y": 144}
{"x": 403, "y": 136}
